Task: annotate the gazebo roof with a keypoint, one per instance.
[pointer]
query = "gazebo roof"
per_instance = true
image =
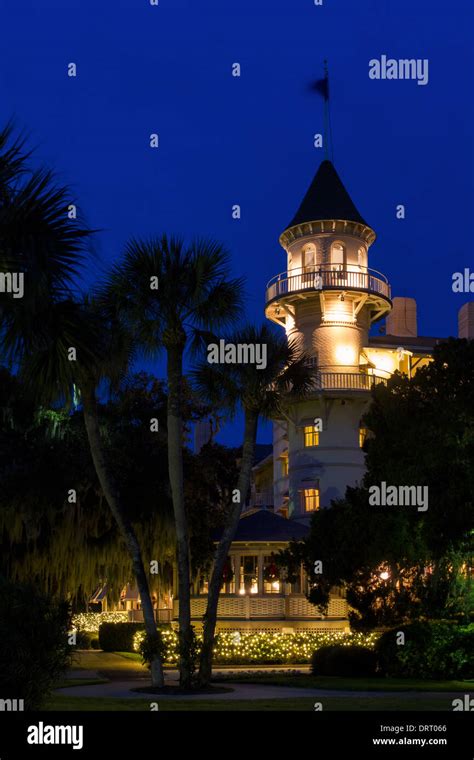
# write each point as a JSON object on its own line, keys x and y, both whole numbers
{"x": 265, "y": 525}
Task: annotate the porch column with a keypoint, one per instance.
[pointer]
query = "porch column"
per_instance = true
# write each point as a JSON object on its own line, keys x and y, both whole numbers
{"x": 260, "y": 574}
{"x": 237, "y": 560}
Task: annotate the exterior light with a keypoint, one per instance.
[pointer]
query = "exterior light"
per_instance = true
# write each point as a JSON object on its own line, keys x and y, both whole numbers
{"x": 385, "y": 575}
{"x": 345, "y": 354}
{"x": 384, "y": 363}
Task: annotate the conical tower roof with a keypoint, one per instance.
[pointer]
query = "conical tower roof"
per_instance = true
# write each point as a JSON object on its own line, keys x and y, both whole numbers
{"x": 326, "y": 198}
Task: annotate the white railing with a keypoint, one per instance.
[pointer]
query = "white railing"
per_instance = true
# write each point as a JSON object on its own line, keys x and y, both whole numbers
{"x": 312, "y": 278}
{"x": 258, "y": 606}
{"x": 261, "y": 498}
{"x": 355, "y": 381}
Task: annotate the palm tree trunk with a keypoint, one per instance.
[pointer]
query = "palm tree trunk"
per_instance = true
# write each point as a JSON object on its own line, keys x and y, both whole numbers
{"x": 222, "y": 551}
{"x": 175, "y": 467}
{"x": 112, "y": 495}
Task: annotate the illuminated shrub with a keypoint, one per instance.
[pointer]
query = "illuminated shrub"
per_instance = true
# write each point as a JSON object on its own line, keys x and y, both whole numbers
{"x": 90, "y": 621}
{"x": 261, "y": 647}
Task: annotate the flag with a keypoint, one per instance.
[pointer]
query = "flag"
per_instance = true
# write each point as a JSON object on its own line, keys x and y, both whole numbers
{"x": 321, "y": 86}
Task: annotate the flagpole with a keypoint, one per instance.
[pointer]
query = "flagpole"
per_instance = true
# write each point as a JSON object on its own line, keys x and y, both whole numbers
{"x": 326, "y": 111}
{"x": 331, "y": 144}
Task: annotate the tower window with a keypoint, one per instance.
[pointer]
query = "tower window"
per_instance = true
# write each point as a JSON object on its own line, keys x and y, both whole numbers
{"x": 310, "y": 499}
{"x": 309, "y": 256}
{"x": 362, "y": 436}
{"x": 361, "y": 256}
{"x": 311, "y": 436}
{"x": 284, "y": 467}
{"x": 338, "y": 254}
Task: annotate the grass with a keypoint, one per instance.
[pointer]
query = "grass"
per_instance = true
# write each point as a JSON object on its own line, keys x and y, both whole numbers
{"x": 135, "y": 656}
{"x": 66, "y": 683}
{"x": 307, "y": 681}
{"x": 306, "y": 704}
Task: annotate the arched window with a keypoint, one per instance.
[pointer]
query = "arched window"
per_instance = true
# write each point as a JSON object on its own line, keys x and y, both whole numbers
{"x": 309, "y": 257}
{"x": 338, "y": 256}
{"x": 361, "y": 256}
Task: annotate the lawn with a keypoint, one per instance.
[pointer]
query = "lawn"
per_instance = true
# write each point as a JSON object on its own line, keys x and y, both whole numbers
{"x": 307, "y": 681}
{"x": 66, "y": 683}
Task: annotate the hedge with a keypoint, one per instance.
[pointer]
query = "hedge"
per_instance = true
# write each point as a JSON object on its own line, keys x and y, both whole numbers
{"x": 347, "y": 661}
{"x": 118, "y": 637}
{"x": 260, "y": 647}
{"x": 427, "y": 650}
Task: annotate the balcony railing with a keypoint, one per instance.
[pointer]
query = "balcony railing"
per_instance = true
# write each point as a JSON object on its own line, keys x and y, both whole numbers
{"x": 354, "y": 381}
{"x": 314, "y": 279}
{"x": 261, "y": 498}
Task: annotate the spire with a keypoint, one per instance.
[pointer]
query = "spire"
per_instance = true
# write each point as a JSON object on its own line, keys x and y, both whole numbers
{"x": 326, "y": 198}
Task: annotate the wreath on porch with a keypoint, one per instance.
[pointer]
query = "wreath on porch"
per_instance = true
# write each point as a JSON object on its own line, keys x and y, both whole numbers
{"x": 227, "y": 572}
{"x": 271, "y": 572}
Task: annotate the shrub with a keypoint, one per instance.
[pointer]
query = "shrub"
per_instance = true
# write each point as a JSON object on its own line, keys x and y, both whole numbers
{"x": 83, "y": 640}
{"x": 430, "y": 650}
{"x": 95, "y": 643}
{"x": 262, "y": 647}
{"x": 34, "y": 649}
{"x": 90, "y": 621}
{"x": 342, "y": 660}
{"x": 118, "y": 637}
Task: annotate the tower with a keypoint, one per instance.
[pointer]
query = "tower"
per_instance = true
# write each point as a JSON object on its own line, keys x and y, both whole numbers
{"x": 326, "y": 300}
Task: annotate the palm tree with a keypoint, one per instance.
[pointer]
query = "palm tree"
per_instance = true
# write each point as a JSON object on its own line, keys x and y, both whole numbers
{"x": 39, "y": 240}
{"x": 170, "y": 295}
{"x": 104, "y": 351}
{"x": 260, "y": 392}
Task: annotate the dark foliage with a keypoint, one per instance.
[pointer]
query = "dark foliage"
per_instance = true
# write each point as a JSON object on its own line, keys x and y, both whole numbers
{"x": 34, "y": 649}
{"x": 340, "y": 660}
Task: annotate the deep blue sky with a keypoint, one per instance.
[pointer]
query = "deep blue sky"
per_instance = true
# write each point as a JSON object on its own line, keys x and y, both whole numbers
{"x": 249, "y": 140}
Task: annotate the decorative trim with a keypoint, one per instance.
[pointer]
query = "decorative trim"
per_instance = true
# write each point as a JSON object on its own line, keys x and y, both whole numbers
{"x": 339, "y": 226}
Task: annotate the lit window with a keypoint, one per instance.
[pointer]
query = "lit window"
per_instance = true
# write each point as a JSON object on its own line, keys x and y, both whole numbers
{"x": 311, "y": 499}
{"x": 362, "y": 436}
{"x": 311, "y": 436}
{"x": 309, "y": 257}
{"x": 337, "y": 255}
{"x": 284, "y": 467}
{"x": 248, "y": 580}
{"x": 361, "y": 256}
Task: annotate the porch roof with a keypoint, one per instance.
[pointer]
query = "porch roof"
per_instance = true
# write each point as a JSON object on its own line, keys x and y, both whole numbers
{"x": 265, "y": 525}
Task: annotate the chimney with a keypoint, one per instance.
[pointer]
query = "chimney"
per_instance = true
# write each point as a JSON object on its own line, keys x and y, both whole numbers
{"x": 466, "y": 321}
{"x": 402, "y": 319}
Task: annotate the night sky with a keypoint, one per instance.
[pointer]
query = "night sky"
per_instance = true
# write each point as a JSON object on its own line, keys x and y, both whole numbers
{"x": 224, "y": 140}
